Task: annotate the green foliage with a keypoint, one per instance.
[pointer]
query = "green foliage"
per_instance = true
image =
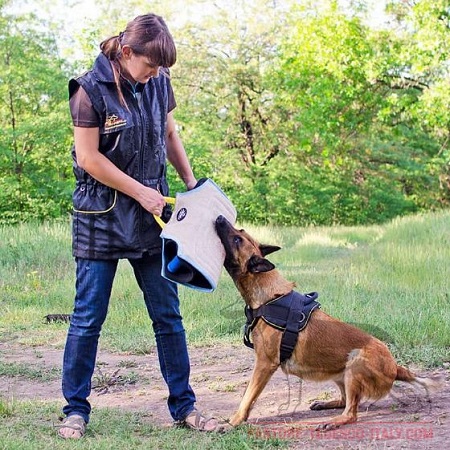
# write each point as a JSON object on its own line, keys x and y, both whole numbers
{"x": 353, "y": 134}
{"x": 302, "y": 112}
{"x": 325, "y": 134}
{"x": 34, "y": 143}
{"x": 226, "y": 120}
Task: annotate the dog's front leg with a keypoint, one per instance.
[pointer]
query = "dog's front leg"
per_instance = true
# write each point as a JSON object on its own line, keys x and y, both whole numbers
{"x": 262, "y": 372}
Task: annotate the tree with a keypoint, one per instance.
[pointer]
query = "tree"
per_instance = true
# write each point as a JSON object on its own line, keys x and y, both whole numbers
{"x": 300, "y": 110}
{"x": 350, "y": 117}
{"x": 227, "y": 112}
{"x": 34, "y": 144}
{"x": 427, "y": 24}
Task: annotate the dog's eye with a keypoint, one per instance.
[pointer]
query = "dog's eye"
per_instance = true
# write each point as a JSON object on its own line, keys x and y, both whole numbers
{"x": 237, "y": 240}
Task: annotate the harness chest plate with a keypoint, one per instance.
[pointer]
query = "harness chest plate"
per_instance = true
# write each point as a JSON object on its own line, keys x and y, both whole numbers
{"x": 289, "y": 313}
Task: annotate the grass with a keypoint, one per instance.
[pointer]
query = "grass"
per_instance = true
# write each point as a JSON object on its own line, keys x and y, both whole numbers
{"x": 42, "y": 374}
{"x": 392, "y": 280}
{"x": 29, "y": 426}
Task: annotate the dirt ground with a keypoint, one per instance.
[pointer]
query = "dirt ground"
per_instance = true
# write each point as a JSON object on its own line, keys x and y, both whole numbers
{"x": 407, "y": 419}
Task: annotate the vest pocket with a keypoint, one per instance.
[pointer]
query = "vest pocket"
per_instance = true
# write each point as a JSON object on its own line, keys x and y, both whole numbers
{"x": 94, "y": 199}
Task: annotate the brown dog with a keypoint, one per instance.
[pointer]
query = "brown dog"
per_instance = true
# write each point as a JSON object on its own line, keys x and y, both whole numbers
{"x": 327, "y": 349}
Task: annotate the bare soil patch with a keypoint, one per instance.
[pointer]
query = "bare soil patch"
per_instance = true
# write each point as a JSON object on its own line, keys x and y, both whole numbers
{"x": 407, "y": 419}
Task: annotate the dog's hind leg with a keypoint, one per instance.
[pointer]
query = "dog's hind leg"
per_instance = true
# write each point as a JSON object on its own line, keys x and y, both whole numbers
{"x": 262, "y": 373}
{"x": 349, "y": 415}
{"x": 356, "y": 376}
{"x": 331, "y": 404}
{"x": 369, "y": 373}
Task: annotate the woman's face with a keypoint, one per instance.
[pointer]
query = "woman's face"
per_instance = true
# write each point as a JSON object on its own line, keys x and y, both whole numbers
{"x": 138, "y": 67}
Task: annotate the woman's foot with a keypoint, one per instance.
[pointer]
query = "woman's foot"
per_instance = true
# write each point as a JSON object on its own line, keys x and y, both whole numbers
{"x": 72, "y": 427}
{"x": 198, "y": 422}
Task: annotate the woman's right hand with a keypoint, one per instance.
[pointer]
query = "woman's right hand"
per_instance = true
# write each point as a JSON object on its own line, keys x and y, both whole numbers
{"x": 151, "y": 200}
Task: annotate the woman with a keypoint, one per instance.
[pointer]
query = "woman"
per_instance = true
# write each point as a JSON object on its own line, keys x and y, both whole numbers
{"x": 124, "y": 131}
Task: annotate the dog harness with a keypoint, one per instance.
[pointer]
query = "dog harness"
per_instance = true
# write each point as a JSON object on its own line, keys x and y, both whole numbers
{"x": 289, "y": 313}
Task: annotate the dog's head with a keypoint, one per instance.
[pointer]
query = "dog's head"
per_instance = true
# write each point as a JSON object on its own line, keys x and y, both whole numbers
{"x": 243, "y": 254}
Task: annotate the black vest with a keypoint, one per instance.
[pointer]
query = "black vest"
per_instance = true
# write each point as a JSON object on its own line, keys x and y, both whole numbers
{"x": 108, "y": 224}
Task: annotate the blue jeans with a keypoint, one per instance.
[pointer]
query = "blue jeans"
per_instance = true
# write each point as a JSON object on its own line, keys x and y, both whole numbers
{"x": 94, "y": 279}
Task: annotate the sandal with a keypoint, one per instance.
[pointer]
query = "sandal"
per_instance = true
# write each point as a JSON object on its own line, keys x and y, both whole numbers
{"x": 76, "y": 426}
{"x": 195, "y": 420}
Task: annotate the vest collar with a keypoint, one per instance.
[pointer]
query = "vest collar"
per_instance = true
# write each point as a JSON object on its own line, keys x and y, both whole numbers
{"x": 102, "y": 69}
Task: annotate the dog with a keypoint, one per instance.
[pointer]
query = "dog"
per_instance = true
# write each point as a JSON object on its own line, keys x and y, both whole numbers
{"x": 361, "y": 365}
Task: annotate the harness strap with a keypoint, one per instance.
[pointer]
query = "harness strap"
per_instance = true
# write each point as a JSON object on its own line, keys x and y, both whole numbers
{"x": 290, "y": 334}
{"x": 248, "y": 327}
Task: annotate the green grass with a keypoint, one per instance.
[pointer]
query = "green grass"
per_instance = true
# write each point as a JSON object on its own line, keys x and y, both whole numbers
{"x": 29, "y": 426}
{"x": 37, "y": 373}
{"x": 392, "y": 280}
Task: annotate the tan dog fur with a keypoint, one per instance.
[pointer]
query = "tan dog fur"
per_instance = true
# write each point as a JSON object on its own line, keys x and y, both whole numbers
{"x": 327, "y": 349}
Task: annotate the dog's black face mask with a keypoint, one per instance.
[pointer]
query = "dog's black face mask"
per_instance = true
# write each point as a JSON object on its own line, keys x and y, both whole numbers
{"x": 242, "y": 253}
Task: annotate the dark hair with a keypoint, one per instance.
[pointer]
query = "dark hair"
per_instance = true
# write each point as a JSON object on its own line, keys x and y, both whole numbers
{"x": 146, "y": 35}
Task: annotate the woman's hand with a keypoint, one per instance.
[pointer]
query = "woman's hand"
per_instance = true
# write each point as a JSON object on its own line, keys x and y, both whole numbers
{"x": 151, "y": 200}
{"x": 191, "y": 184}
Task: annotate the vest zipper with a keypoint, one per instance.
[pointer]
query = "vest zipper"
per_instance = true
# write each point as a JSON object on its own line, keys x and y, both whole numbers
{"x": 138, "y": 97}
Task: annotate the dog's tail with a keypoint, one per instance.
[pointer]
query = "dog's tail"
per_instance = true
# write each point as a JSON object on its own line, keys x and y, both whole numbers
{"x": 431, "y": 384}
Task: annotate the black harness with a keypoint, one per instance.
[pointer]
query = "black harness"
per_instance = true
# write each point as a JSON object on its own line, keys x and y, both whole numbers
{"x": 289, "y": 313}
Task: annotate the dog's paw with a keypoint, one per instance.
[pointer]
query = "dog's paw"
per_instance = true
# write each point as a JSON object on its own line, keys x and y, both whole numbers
{"x": 237, "y": 419}
{"x": 331, "y": 404}
{"x": 225, "y": 427}
{"x": 335, "y": 422}
{"x": 328, "y": 426}
{"x": 317, "y": 405}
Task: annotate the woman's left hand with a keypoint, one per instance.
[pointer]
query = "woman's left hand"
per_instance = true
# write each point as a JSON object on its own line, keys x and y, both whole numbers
{"x": 191, "y": 184}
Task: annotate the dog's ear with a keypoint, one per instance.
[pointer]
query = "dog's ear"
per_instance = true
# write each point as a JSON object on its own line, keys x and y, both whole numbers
{"x": 268, "y": 249}
{"x": 256, "y": 264}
